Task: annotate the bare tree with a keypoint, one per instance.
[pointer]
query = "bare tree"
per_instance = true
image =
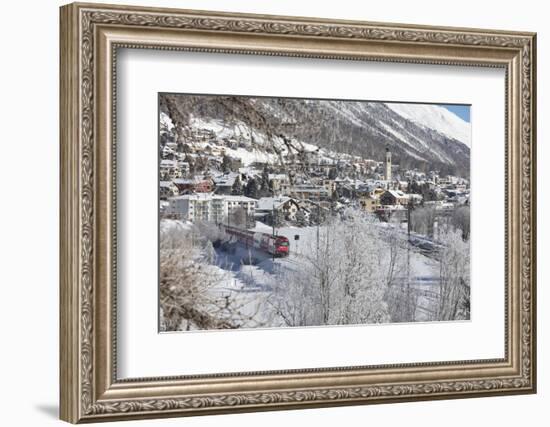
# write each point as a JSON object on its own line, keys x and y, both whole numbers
{"x": 340, "y": 279}
{"x": 454, "y": 295}
{"x": 395, "y": 255}
{"x": 239, "y": 217}
{"x": 461, "y": 220}
{"x": 395, "y": 251}
{"x": 422, "y": 220}
{"x": 189, "y": 292}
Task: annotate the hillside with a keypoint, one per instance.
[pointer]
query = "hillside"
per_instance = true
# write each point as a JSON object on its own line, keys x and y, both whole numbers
{"x": 426, "y": 137}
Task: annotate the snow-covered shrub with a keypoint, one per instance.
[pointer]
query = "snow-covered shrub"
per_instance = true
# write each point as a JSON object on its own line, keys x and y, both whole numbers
{"x": 340, "y": 281}
{"x": 189, "y": 292}
{"x": 454, "y": 298}
{"x": 211, "y": 231}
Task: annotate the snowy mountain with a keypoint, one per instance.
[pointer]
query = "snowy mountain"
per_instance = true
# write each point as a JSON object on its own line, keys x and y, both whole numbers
{"x": 427, "y": 137}
{"x": 436, "y": 118}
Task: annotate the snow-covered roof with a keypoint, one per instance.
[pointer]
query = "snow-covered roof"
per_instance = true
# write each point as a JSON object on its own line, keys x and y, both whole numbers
{"x": 211, "y": 196}
{"x": 233, "y": 198}
{"x": 227, "y": 179}
{"x": 392, "y": 208}
{"x": 190, "y": 181}
{"x": 195, "y": 196}
{"x": 168, "y": 163}
{"x": 248, "y": 172}
{"x": 270, "y": 203}
{"x": 166, "y": 121}
{"x": 398, "y": 194}
{"x": 184, "y": 181}
{"x": 348, "y": 180}
{"x": 277, "y": 176}
{"x": 308, "y": 188}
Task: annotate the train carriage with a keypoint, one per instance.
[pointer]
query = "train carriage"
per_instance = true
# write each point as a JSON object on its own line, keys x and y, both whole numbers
{"x": 272, "y": 244}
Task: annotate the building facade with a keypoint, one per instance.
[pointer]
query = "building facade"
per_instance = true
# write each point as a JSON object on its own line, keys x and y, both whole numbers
{"x": 208, "y": 207}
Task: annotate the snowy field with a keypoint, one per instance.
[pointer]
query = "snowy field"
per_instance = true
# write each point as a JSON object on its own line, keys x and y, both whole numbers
{"x": 256, "y": 283}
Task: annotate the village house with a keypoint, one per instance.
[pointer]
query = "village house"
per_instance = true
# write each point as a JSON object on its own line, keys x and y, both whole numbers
{"x": 394, "y": 197}
{"x": 168, "y": 152}
{"x": 278, "y": 181}
{"x": 451, "y": 180}
{"x": 307, "y": 191}
{"x": 369, "y": 203}
{"x": 183, "y": 166}
{"x": 167, "y": 189}
{"x": 314, "y": 210}
{"x": 194, "y": 185}
{"x": 169, "y": 169}
{"x": 377, "y": 192}
{"x": 329, "y": 185}
{"x": 224, "y": 183}
{"x": 352, "y": 188}
{"x": 286, "y": 207}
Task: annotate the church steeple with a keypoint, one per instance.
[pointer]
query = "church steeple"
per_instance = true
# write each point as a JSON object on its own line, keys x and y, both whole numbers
{"x": 387, "y": 165}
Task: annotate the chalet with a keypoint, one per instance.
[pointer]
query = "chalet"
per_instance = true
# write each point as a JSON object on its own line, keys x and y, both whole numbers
{"x": 286, "y": 206}
{"x": 167, "y": 189}
{"x": 348, "y": 187}
{"x": 278, "y": 181}
{"x": 224, "y": 183}
{"x": 170, "y": 169}
{"x": 315, "y": 211}
{"x": 394, "y": 197}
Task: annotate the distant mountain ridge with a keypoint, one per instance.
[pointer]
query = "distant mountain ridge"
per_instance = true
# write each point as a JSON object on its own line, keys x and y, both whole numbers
{"x": 427, "y": 137}
{"x": 437, "y": 118}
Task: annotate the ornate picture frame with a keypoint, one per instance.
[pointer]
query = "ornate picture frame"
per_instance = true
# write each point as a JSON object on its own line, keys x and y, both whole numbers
{"x": 90, "y": 37}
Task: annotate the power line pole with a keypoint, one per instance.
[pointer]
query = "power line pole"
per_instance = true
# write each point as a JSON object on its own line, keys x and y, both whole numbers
{"x": 410, "y": 314}
{"x": 273, "y": 234}
{"x": 318, "y": 225}
{"x": 273, "y": 217}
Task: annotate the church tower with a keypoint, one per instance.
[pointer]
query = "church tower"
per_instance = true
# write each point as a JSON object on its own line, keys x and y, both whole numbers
{"x": 387, "y": 165}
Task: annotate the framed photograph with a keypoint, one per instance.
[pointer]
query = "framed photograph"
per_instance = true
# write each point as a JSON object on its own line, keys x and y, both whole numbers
{"x": 267, "y": 212}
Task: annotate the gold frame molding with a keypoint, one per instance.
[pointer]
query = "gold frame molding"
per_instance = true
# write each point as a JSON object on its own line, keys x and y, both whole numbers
{"x": 90, "y": 37}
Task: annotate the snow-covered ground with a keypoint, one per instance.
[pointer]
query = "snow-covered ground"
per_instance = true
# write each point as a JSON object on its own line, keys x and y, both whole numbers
{"x": 253, "y": 279}
{"x": 252, "y": 273}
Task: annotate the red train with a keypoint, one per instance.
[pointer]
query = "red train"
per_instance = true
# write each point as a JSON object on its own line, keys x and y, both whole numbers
{"x": 274, "y": 245}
